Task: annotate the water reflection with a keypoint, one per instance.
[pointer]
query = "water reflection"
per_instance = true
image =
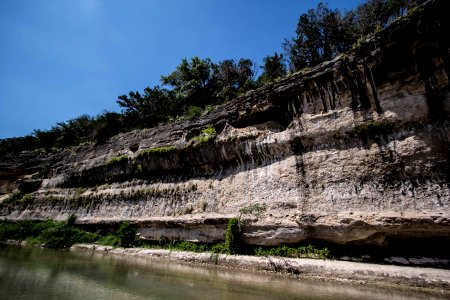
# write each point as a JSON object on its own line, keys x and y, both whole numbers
{"x": 34, "y": 273}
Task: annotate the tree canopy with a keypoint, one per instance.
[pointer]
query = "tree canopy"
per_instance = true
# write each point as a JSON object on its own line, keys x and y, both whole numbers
{"x": 322, "y": 33}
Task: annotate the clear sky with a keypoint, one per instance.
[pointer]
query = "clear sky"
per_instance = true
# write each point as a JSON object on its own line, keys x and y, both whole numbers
{"x": 60, "y": 59}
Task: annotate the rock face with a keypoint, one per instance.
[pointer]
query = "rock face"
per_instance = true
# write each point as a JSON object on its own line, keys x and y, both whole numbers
{"x": 355, "y": 150}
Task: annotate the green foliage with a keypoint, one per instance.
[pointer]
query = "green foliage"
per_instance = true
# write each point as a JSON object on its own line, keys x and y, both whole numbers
{"x": 117, "y": 160}
{"x": 67, "y": 134}
{"x": 322, "y": 33}
{"x": 71, "y": 220}
{"x": 49, "y": 233}
{"x": 210, "y": 130}
{"x": 233, "y": 237}
{"x": 206, "y": 136}
{"x": 109, "y": 240}
{"x": 18, "y": 199}
{"x": 193, "y": 112}
{"x": 233, "y": 78}
{"x": 15, "y": 196}
{"x": 302, "y": 251}
{"x": 255, "y": 208}
{"x": 157, "y": 151}
{"x": 189, "y": 246}
{"x": 126, "y": 235}
{"x": 208, "y": 108}
{"x": 63, "y": 236}
{"x": 274, "y": 67}
{"x": 26, "y": 200}
{"x": 220, "y": 248}
{"x": 191, "y": 82}
{"x": 9, "y": 230}
{"x": 155, "y": 105}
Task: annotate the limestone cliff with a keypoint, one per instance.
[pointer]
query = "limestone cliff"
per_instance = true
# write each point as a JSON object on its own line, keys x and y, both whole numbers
{"x": 354, "y": 150}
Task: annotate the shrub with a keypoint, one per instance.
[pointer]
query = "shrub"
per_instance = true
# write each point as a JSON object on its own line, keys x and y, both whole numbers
{"x": 9, "y": 230}
{"x": 219, "y": 248}
{"x": 51, "y": 234}
{"x": 13, "y": 197}
{"x": 233, "y": 237}
{"x": 301, "y": 251}
{"x": 193, "y": 112}
{"x": 71, "y": 220}
{"x": 126, "y": 235}
{"x": 63, "y": 235}
{"x": 109, "y": 240}
{"x": 207, "y": 135}
{"x": 210, "y": 130}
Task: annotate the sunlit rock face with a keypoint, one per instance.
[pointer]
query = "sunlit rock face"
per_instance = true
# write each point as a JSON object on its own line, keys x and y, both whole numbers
{"x": 354, "y": 150}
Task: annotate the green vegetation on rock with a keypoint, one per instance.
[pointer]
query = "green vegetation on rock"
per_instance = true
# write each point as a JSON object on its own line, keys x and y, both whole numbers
{"x": 295, "y": 252}
{"x": 117, "y": 160}
{"x": 19, "y": 199}
{"x": 58, "y": 235}
{"x": 156, "y": 150}
{"x": 206, "y": 136}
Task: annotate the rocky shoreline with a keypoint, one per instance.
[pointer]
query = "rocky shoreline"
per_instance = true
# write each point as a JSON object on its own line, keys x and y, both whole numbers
{"x": 430, "y": 280}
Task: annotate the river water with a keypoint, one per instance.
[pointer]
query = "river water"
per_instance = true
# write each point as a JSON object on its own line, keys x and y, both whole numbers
{"x": 36, "y": 273}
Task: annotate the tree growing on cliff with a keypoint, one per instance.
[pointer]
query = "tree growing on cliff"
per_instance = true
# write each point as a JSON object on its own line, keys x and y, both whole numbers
{"x": 274, "y": 68}
{"x": 233, "y": 78}
{"x": 192, "y": 82}
{"x": 321, "y": 34}
{"x": 154, "y": 106}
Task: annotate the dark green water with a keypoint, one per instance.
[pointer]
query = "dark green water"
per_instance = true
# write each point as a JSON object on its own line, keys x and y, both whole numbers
{"x": 35, "y": 273}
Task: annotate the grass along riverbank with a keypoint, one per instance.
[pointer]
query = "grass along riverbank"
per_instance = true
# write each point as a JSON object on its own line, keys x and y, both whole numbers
{"x": 60, "y": 235}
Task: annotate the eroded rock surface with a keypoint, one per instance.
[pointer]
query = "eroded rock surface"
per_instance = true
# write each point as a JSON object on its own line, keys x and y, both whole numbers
{"x": 354, "y": 150}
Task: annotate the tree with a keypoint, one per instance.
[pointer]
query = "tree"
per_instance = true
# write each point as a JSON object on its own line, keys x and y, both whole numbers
{"x": 154, "y": 106}
{"x": 232, "y": 79}
{"x": 374, "y": 15}
{"x": 274, "y": 67}
{"x": 321, "y": 34}
{"x": 192, "y": 82}
{"x": 106, "y": 125}
{"x": 126, "y": 235}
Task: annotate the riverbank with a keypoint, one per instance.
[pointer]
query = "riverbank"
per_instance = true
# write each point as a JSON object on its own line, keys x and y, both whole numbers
{"x": 435, "y": 281}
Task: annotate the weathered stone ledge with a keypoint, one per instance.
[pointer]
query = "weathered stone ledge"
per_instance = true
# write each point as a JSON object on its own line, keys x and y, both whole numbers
{"x": 423, "y": 279}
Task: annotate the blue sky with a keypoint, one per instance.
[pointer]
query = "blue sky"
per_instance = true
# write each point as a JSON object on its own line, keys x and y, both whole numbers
{"x": 64, "y": 58}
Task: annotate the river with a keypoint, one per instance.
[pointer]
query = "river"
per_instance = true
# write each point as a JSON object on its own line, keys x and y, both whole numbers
{"x": 36, "y": 273}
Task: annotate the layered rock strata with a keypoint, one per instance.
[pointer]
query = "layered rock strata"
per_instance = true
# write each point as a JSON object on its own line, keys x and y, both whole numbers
{"x": 355, "y": 150}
